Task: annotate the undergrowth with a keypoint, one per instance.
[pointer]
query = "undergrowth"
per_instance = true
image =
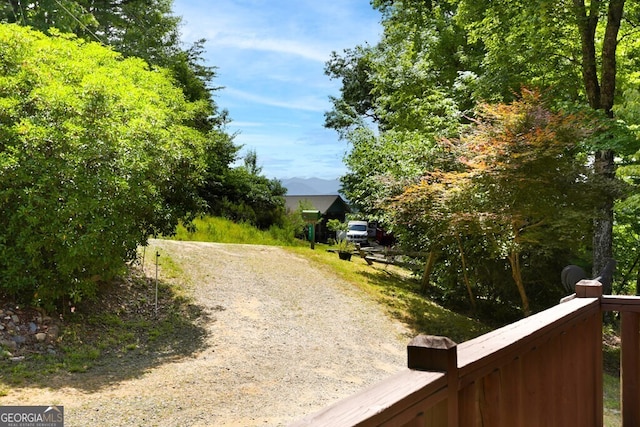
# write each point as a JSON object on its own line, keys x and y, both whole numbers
{"x": 221, "y": 230}
{"x": 117, "y": 336}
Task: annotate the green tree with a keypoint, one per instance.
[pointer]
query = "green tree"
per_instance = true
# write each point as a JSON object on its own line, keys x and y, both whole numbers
{"x": 96, "y": 154}
{"x": 438, "y": 59}
{"x": 244, "y": 195}
{"x": 143, "y": 28}
{"x": 146, "y": 29}
{"x": 251, "y": 163}
{"x": 572, "y": 47}
{"x": 521, "y": 186}
{"x": 66, "y": 15}
{"x": 149, "y": 30}
{"x": 397, "y": 99}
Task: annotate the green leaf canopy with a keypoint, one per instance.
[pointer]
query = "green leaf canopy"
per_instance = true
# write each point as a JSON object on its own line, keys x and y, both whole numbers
{"x": 95, "y": 155}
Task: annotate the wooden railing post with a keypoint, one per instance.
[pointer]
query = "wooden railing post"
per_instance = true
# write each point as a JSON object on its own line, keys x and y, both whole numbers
{"x": 588, "y": 289}
{"x": 432, "y": 353}
{"x": 592, "y": 288}
{"x": 630, "y": 368}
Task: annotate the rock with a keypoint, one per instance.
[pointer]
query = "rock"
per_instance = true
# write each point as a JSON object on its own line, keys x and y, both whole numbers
{"x": 19, "y": 339}
{"x": 12, "y": 345}
{"x": 53, "y": 331}
{"x": 32, "y": 328}
{"x": 15, "y": 319}
{"x": 41, "y": 336}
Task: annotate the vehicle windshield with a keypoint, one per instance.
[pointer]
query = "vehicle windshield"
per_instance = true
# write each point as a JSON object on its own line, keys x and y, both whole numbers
{"x": 358, "y": 227}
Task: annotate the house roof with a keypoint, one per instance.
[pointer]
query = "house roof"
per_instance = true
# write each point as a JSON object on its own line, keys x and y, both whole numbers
{"x": 325, "y": 204}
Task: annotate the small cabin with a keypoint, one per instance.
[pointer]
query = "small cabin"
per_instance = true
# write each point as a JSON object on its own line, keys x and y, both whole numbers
{"x": 330, "y": 207}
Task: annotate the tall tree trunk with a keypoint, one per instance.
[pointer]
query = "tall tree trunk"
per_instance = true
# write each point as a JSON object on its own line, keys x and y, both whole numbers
{"x": 609, "y": 48}
{"x": 600, "y": 94}
{"x": 604, "y": 160}
{"x": 587, "y": 26}
{"x": 17, "y": 11}
{"x": 603, "y": 224}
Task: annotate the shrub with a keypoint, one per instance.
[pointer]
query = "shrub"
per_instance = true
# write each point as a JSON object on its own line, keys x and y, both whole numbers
{"x": 95, "y": 155}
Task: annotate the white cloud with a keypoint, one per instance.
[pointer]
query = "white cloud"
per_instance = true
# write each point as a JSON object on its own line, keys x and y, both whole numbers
{"x": 283, "y": 46}
{"x": 270, "y": 57}
{"x": 247, "y": 124}
{"x": 306, "y": 29}
{"x": 308, "y": 103}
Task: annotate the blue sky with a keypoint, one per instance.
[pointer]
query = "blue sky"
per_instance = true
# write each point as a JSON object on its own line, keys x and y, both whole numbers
{"x": 270, "y": 56}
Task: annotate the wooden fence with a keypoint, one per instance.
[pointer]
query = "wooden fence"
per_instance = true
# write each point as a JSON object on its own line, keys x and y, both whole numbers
{"x": 545, "y": 370}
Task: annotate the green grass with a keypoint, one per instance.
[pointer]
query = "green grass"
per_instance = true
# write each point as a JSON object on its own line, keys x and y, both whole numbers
{"x": 171, "y": 270}
{"x": 221, "y": 230}
{"x": 391, "y": 286}
{"x": 611, "y": 386}
{"x": 611, "y": 379}
{"x": 110, "y": 339}
{"x": 114, "y": 338}
{"x": 398, "y": 292}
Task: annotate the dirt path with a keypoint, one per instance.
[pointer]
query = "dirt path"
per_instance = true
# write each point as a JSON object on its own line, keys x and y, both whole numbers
{"x": 283, "y": 339}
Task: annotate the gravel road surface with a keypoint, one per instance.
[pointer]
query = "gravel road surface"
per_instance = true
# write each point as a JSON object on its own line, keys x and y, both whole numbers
{"x": 283, "y": 339}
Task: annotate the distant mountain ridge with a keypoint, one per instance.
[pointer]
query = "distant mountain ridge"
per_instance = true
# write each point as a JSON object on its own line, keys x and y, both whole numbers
{"x": 311, "y": 186}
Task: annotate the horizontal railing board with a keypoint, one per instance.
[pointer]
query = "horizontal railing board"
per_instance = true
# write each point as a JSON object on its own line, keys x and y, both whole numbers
{"x": 492, "y": 349}
{"x": 433, "y": 408}
{"x": 620, "y": 303}
{"x": 484, "y": 376}
{"x": 383, "y": 401}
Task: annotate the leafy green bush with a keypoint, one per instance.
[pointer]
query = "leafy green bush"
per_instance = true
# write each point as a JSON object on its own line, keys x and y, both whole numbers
{"x": 95, "y": 155}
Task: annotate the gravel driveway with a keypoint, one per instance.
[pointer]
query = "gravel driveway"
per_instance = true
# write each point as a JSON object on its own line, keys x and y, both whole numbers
{"x": 284, "y": 339}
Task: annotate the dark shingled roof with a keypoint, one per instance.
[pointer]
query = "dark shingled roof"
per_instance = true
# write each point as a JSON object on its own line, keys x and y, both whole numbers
{"x": 325, "y": 204}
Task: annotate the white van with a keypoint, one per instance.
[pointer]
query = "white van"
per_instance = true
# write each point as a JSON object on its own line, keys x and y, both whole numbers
{"x": 357, "y": 231}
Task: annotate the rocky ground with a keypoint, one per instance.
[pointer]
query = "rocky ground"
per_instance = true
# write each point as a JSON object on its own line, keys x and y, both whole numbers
{"x": 24, "y": 331}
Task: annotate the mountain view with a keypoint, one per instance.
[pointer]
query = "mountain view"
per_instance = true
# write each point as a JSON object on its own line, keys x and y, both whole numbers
{"x": 311, "y": 186}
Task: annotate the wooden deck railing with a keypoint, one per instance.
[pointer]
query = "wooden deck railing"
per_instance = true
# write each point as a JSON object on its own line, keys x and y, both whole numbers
{"x": 545, "y": 370}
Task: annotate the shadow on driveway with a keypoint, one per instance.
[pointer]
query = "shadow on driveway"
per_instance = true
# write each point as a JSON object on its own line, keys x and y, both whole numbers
{"x": 114, "y": 338}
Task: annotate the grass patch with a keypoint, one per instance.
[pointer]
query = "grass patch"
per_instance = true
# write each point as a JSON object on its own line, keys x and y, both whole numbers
{"x": 79, "y": 358}
{"x": 171, "y": 271}
{"x": 611, "y": 379}
{"x": 398, "y": 292}
{"x": 611, "y": 387}
{"x": 116, "y": 337}
{"x": 221, "y": 230}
